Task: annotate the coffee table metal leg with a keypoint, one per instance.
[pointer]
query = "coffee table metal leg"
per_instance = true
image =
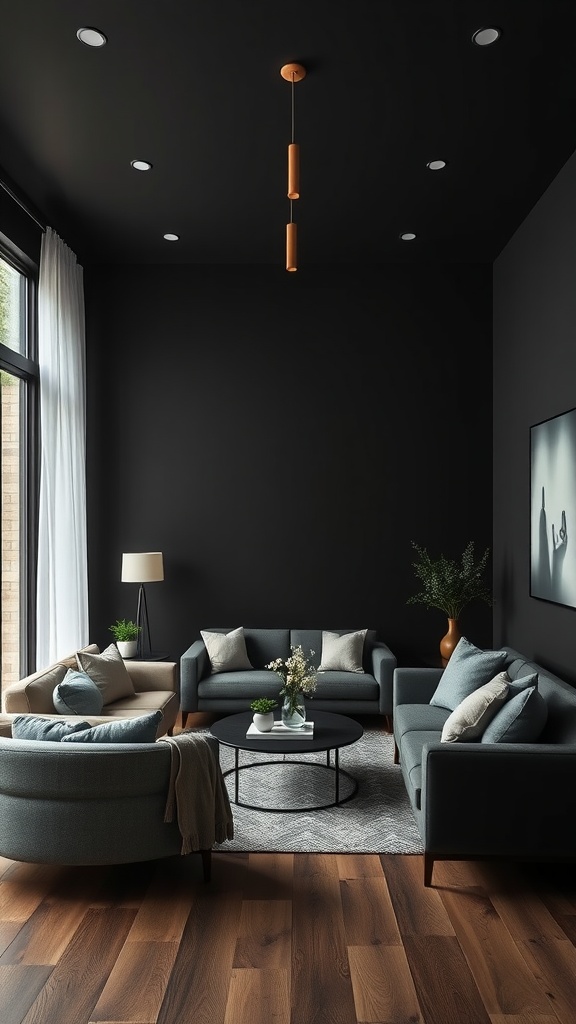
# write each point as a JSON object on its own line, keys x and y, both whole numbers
{"x": 236, "y": 758}
{"x": 336, "y": 777}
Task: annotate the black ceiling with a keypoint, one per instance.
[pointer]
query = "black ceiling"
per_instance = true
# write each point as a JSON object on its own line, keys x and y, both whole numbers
{"x": 194, "y": 86}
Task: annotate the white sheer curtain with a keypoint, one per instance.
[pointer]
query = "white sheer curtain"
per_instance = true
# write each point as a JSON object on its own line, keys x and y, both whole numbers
{"x": 62, "y": 596}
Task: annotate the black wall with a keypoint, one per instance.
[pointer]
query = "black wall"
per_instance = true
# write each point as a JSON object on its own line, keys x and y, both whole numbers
{"x": 534, "y": 379}
{"x": 283, "y": 439}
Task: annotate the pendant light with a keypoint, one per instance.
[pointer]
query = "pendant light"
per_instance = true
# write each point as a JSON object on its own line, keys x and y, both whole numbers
{"x": 292, "y": 73}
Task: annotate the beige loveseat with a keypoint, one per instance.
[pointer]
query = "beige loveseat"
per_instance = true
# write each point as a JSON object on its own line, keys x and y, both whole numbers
{"x": 155, "y": 688}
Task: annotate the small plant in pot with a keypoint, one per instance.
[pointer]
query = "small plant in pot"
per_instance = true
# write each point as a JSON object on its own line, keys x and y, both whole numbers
{"x": 263, "y": 713}
{"x": 125, "y": 633}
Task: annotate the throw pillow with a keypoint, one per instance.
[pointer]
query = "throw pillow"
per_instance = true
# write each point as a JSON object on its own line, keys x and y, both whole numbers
{"x": 119, "y": 730}
{"x": 522, "y": 683}
{"x": 29, "y": 727}
{"x": 109, "y": 673}
{"x": 77, "y": 694}
{"x": 470, "y": 718}
{"x": 521, "y": 720}
{"x": 342, "y": 653}
{"x": 227, "y": 651}
{"x": 468, "y": 668}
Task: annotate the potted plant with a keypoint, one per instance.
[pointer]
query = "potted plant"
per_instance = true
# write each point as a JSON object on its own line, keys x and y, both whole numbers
{"x": 299, "y": 678}
{"x": 125, "y": 633}
{"x": 450, "y": 586}
{"x": 263, "y": 714}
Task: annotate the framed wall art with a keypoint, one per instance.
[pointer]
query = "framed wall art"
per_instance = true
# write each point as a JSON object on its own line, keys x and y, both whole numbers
{"x": 553, "y": 509}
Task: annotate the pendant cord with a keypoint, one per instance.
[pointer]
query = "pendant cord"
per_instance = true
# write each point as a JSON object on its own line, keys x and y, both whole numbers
{"x": 292, "y": 106}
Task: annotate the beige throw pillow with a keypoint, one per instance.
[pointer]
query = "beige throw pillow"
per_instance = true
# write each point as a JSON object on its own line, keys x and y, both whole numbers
{"x": 227, "y": 651}
{"x": 109, "y": 673}
{"x": 342, "y": 653}
{"x": 470, "y": 718}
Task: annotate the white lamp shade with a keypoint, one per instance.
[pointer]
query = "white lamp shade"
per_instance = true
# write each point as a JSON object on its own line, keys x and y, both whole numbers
{"x": 142, "y": 567}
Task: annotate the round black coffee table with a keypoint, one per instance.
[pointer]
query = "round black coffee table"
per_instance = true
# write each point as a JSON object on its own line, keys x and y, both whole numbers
{"x": 330, "y": 733}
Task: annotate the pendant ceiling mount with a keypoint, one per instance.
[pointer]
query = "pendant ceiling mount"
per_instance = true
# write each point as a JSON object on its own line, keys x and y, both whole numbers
{"x": 293, "y": 72}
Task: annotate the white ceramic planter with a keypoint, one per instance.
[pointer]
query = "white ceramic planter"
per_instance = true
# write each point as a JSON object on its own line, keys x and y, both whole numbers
{"x": 265, "y": 722}
{"x": 127, "y": 648}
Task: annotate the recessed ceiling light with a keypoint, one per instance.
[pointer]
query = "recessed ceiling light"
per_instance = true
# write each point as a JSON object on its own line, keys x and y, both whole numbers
{"x": 407, "y": 236}
{"x": 485, "y": 36}
{"x": 91, "y": 36}
{"x": 171, "y": 238}
{"x": 141, "y": 165}
{"x": 436, "y": 165}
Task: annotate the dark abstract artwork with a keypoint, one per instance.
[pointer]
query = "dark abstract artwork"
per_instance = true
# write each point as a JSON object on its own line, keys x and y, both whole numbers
{"x": 553, "y": 509}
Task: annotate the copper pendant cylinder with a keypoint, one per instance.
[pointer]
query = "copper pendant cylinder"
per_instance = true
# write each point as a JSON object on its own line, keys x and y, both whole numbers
{"x": 293, "y": 171}
{"x": 291, "y": 239}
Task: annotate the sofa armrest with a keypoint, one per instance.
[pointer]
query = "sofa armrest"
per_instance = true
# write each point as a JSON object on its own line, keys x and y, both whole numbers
{"x": 499, "y": 799}
{"x": 415, "y": 685}
{"x": 154, "y": 675}
{"x": 383, "y": 664}
{"x": 194, "y": 666}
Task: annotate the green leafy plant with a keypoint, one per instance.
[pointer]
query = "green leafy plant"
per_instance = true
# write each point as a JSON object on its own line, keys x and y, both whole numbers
{"x": 297, "y": 674}
{"x": 450, "y": 585}
{"x": 124, "y": 630}
{"x": 262, "y": 705}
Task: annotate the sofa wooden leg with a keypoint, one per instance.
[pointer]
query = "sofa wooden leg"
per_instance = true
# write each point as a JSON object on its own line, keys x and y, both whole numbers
{"x": 396, "y": 753}
{"x": 206, "y": 864}
{"x": 428, "y": 869}
{"x": 184, "y": 718}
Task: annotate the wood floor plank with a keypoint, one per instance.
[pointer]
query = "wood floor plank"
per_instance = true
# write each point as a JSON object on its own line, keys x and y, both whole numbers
{"x": 368, "y": 913}
{"x": 197, "y": 992}
{"x": 137, "y": 983}
{"x": 383, "y": 988}
{"x": 45, "y": 936}
{"x": 443, "y": 981}
{"x": 8, "y": 932}
{"x": 269, "y": 876}
{"x": 321, "y": 991}
{"x": 554, "y": 963}
{"x": 163, "y": 912}
{"x": 265, "y": 934}
{"x": 418, "y": 910}
{"x": 20, "y": 986}
{"x": 522, "y": 1018}
{"x": 361, "y": 865}
{"x": 258, "y": 997}
{"x": 502, "y": 976}
{"x": 77, "y": 980}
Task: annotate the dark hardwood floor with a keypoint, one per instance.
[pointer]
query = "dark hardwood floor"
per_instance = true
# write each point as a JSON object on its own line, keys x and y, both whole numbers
{"x": 288, "y": 939}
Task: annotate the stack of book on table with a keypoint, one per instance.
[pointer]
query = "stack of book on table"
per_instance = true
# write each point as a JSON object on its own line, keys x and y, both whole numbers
{"x": 279, "y": 731}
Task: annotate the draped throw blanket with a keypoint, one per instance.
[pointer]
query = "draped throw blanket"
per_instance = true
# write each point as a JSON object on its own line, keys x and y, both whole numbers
{"x": 197, "y": 793}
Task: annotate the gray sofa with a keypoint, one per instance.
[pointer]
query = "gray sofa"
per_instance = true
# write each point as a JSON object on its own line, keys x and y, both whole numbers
{"x": 369, "y": 692}
{"x": 483, "y": 800}
{"x": 88, "y": 803}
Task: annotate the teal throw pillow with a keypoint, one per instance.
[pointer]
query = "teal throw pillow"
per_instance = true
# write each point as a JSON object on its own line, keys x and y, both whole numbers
{"x": 77, "y": 694}
{"x": 522, "y": 683}
{"x": 29, "y": 727}
{"x": 119, "y": 730}
{"x": 520, "y": 720}
{"x": 468, "y": 668}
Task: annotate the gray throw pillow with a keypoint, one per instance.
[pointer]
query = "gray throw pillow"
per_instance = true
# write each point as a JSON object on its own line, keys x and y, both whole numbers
{"x": 227, "y": 651}
{"x": 468, "y": 721}
{"x": 520, "y": 720}
{"x": 522, "y": 683}
{"x": 30, "y": 727}
{"x": 109, "y": 673}
{"x": 342, "y": 653}
{"x": 77, "y": 694}
{"x": 119, "y": 730}
{"x": 468, "y": 668}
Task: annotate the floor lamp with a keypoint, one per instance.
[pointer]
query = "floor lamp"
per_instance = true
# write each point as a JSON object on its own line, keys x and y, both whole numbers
{"x": 142, "y": 567}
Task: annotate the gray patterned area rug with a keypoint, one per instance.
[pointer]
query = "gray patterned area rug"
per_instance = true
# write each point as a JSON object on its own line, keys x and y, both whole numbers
{"x": 377, "y": 819}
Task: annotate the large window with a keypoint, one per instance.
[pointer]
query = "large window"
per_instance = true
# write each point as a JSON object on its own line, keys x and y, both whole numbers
{"x": 18, "y": 397}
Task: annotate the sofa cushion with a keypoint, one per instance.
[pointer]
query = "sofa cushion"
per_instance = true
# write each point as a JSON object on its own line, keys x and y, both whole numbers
{"x": 468, "y": 721}
{"x": 227, "y": 651}
{"x": 418, "y": 718}
{"x": 119, "y": 730}
{"x": 520, "y": 720}
{"x": 77, "y": 694}
{"x": 468, "y": 668}
{"x": 30, "y": 727}
{"x": 412, "y": 755}
{"x": 109, "y": 673}
{"x": 342, "y": 653}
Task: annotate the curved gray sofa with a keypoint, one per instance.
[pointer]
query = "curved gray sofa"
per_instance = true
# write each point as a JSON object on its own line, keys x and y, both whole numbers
{"x": 96, "y": 803}
{"x": 482, "y": 800}
{"x": 369, "y": 692}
